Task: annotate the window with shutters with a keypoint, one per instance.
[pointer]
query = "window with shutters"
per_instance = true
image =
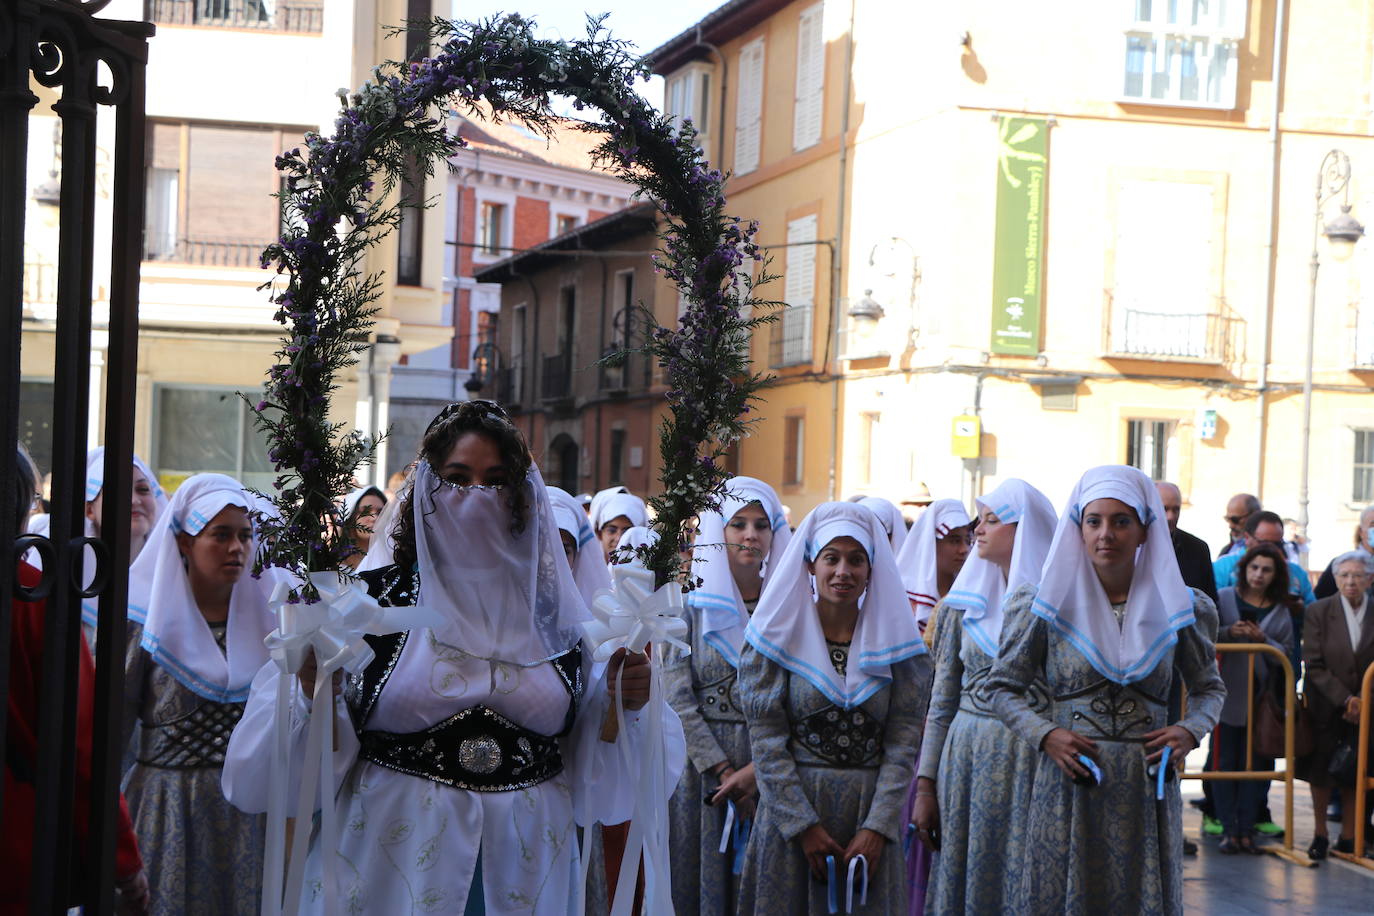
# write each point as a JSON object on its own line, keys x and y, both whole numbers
{"x": 749, "y": 108}
{"x": 793, "y": 450}
{"x": 1363, "y": 467}
{"x": 209, "y": 192}
{"x": 792, "y": 333}
{"x": 1183, "y": 53}
{"x": 809, "y": 105}
{"x": 687, "y": 96}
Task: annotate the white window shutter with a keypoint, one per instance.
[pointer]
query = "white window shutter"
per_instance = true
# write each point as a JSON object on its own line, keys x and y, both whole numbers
{"x": 799, "y": 290}
{"x": 749, "y": 109}
{"x": 810, "y": 96}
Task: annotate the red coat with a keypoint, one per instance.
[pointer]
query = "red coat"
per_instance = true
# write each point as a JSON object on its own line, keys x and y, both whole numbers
{"x": 16, "y": 844}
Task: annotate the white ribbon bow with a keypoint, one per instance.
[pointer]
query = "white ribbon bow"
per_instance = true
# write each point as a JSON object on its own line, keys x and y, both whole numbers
{"x": 334, "y": 628}
{"x": 632, "y": 614}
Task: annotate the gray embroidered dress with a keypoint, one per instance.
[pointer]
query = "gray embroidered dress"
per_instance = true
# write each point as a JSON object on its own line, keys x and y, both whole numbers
{"x": 1112, "y": 848}
{"x": 820, "y": 764}
{"x": 202, "y": 855}
{"x": 983, "y": 778}
{"x": 703, "y": 689}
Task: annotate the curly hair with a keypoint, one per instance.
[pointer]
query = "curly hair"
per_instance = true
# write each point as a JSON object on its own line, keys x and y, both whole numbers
{"x": 453, "y": 422}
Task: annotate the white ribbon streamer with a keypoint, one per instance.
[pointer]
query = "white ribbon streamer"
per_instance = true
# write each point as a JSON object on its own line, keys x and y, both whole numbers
{"x": 849, "y": 884}
{"x": 632, "y": 615}
{"x": 333, "y": 628}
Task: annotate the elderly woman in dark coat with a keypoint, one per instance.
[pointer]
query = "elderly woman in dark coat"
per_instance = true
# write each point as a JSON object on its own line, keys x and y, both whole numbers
{"x": 1337, "y": 647}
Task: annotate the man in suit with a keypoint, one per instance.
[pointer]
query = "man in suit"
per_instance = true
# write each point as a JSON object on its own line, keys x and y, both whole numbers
{"x": 1192, "y": 552}
{"x": 1338, "y": 645}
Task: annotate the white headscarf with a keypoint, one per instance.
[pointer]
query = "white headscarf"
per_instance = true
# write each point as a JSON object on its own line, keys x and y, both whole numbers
{"x": 616, "y": 505}
{"x": 350, "y": 502}
{"x": 589, "y": 566}
{"x": 722, "y": 612}
{"x": 638, "y": 536}
{"x": 917, "y": 557}
{"x": 594, "y": 507}
{"x": 1071, "y": 597}
{"x": 95, "y": 482}
{"x": 786, "y": 628}
{"x": 175, "y": 633}
{"x": 980, "y": 587}
{"x": 894, "y": 523}
{"x": 507, "y": 596}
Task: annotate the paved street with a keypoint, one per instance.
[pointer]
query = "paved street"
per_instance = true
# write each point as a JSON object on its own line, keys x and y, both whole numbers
{"x": 1214, "y": 884}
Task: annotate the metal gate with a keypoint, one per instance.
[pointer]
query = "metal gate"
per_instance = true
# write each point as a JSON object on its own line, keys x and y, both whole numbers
{"x": 93, "y": 65}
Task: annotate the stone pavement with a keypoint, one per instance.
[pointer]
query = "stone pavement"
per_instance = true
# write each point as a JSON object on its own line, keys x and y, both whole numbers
{"x": 1218, "y": 885}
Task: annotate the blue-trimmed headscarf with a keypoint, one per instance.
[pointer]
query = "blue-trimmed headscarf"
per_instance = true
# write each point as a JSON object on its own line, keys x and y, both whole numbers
{"x": 721, "y": 613}
{"x": 175, "y": 633}
{"x": 1071, "y": 597}
{"x": 786, "y": 628}
{"x": 981, "y": 587}
{"x": 95, "y": 483}
{"x": 589, "y": 569}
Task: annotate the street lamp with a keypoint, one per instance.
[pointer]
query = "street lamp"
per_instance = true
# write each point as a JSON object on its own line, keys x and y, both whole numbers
{"x": 1333, "y": 178}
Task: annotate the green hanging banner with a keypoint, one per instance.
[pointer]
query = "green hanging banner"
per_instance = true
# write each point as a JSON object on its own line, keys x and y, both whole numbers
{"x": 1018, "y": 252}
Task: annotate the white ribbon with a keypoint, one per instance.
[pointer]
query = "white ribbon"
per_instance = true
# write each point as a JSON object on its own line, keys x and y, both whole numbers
{"x": 333, "y": 628}
{"x": 849, "y": 884}
{"x": 632, "y": 615}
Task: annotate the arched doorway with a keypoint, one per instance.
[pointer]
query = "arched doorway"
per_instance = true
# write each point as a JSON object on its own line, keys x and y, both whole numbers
{"x": 563, "y": 456}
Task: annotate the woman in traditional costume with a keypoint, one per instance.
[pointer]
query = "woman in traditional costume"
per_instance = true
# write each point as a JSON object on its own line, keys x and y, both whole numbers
{"x": 1108, "y": 625}
{"x": 187, "y": 673}
{"x": 973, "y": 785}
{"x": 833, "y": 696}
{"x": 362, "y": 511}
{"x": 890, "y": 515}
{"x": 715, "y": 800}
{"x": 148, "y": 503}
{"x": 932, "y": 556}
{"x": 614, "y": 512}
{"x": 471, "y": 746}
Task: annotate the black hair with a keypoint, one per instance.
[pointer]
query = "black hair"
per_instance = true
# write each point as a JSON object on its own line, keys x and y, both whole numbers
{"x": 1255, "y": 519}
{"x": 444, "y": 431}
{"x": 25, "y": 489}
{"x": 1278, "y": 586}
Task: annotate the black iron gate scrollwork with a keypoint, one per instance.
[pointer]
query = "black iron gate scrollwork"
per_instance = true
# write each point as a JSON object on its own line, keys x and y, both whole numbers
{"x": 92, "y": 65}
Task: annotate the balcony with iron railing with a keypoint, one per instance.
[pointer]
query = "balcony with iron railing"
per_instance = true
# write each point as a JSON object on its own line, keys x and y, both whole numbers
{"x": 205, "y": 252}
{"x": 299, "y": 16}
{"x": 789, "y": 342}
{"x": 1140, "y": 330}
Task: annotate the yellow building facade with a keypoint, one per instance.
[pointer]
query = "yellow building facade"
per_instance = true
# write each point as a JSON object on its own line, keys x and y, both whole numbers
{"x": 206, "y": 330}
{"x": 1177, "y": 166}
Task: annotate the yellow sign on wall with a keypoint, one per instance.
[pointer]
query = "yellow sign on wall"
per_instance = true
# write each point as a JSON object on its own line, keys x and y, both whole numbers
{"x": 967, "y": 439}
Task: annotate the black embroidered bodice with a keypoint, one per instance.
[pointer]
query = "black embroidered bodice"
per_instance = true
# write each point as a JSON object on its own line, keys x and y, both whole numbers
{"x": 477, "y": 748}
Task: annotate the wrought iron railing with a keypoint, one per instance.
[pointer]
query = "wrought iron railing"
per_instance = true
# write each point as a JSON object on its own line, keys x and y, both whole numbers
{"x": 279, "y": 16}
{"x": 556, "y": 379}
{"x": 1141, "y": 330}
{"x": 205, "y": 252}
{"x": 507, "y": 386}
{"x": 790, "y": 341}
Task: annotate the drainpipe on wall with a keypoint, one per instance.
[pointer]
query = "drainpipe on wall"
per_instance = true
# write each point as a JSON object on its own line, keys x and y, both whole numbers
{"x": 836, "y": 264}
{"x": 1270, "y": 248}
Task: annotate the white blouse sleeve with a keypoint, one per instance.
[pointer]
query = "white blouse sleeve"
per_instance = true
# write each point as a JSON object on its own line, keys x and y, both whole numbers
{"x": 604, "y": 775}
{"x": 248, "y": 761}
